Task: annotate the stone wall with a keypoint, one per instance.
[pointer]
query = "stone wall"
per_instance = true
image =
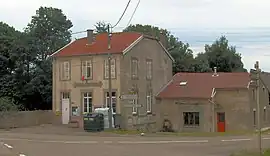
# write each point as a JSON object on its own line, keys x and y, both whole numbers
{"x": 27, "y": 118}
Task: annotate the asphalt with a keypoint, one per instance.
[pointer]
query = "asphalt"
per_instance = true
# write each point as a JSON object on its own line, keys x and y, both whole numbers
{"x": 15, "y": 143}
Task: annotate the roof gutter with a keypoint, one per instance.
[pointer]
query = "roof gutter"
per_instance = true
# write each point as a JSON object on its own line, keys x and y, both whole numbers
{"x": 61, "y": 49}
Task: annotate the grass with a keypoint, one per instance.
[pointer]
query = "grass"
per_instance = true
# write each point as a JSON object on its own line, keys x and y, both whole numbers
{"x": 251, "y": 153}
{"x": 193, "y": 134}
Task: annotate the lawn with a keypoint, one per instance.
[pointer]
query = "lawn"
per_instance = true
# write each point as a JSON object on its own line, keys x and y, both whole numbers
{"x": 249, "y": 153}
{"x": 193, "y": 134}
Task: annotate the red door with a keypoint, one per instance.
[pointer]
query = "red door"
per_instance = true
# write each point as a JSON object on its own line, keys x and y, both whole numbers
{"x": 221, "y": 122}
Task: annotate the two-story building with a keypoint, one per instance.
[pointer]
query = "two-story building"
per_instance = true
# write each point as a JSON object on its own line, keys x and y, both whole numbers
{"x": 139, "y": 64}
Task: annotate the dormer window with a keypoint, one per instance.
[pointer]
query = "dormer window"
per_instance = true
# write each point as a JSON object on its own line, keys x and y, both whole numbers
{"x": 183, "y": 83}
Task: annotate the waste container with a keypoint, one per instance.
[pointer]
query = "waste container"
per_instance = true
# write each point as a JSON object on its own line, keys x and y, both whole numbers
{"x": 93, "y": 122}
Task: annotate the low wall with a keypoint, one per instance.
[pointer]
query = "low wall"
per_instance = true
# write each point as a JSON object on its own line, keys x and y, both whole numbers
{"x": 27, "y": 118}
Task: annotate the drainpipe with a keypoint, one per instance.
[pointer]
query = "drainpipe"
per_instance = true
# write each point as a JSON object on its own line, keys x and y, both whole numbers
{"x": 213, "y": 114}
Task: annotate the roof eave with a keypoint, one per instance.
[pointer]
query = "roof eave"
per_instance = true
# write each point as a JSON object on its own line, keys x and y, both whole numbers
{"x": 53, "y": 54}
{"x": 170, "y": 56}
{"x": 132, "y": 45}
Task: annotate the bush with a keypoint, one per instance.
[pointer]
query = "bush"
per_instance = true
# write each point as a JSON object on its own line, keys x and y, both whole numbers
{"x": 6, "y": 104}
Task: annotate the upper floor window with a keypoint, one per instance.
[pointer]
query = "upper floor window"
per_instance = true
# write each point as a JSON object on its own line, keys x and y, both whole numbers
{"x": 113, "y": 69}
{"x": 134, "y": 68}
{"x": 149, "y": 102}
{"x": 87, "y": 69}
{"x": 149, "y": 70}
{"x": 65, "y": 70}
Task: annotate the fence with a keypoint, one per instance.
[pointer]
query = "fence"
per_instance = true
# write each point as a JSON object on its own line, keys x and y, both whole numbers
{"x": 27, "y": 118}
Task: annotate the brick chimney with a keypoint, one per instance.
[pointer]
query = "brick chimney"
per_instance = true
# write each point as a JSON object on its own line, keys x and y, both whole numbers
{"x": 163, "y": 39}
{"x": 90, "y": 36}
{"x": 215, "y": 72}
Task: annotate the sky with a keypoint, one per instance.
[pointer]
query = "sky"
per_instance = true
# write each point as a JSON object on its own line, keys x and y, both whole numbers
{"x": 197, "y": 22}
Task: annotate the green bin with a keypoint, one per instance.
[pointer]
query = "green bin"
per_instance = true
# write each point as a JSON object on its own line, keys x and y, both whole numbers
{"x": 93, "y": 122}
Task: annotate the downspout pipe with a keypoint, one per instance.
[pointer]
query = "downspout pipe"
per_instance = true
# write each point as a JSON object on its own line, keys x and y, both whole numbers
{"x": 213, "y": 114}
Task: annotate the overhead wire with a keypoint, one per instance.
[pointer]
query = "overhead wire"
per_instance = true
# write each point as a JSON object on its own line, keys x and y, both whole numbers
{"x": 122, "y": 15}
{"x": 133, "y": 13}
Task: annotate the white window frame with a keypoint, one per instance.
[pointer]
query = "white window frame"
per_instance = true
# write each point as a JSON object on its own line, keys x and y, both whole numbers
{"x": 87, "y": 66}
{"x": 149, "y": 103}
{"x": 149, "y": 66}
{"x": 114, "y": 100}
{"x": 134, "y": 68}
{"x": 88, "y": 97}
{"x": 65, "y": 70}
{"x": 113, "y": 69}
{"x": 135, "y": 106}
{"x": 193, "y": 118}
{"x": 65, "y": 95}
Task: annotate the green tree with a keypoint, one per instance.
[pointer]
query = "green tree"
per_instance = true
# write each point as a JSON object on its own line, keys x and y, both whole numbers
{"x": 6, "y": 104}
{"x": 223, "y": 56}
{"x": 201, "y": 64}
{"x": 101, "y": 27}
{"x": 50, "y": 30}
{"x": 180, "y": 51}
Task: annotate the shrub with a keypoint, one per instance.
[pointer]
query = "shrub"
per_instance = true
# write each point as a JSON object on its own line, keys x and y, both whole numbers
{"x": 6, "y": 104}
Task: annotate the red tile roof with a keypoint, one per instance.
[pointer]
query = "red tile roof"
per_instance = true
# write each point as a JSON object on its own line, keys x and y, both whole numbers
{"x": 119, "y": 42}
{"x": 200, "y": 85}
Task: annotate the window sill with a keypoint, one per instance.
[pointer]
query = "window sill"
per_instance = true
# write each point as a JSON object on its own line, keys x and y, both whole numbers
{"x": 113, "y": 78}
{"x": 134, "y": 77}
{"x": 65, "y": 80}
{"x": 191, "y": 126}
{"x": 134, "y": 113}
{"x": 149, "y": 112}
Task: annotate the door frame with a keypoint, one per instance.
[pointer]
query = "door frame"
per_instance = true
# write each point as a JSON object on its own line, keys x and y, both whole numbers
{"x": 221, "y": 120}
{"x": 69, "y": 105}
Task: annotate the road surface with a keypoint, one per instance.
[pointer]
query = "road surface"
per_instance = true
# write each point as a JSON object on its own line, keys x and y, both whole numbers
{"x": 57, "y": 145}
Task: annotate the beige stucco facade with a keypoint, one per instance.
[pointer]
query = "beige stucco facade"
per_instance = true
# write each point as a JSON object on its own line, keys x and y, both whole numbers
{"x": 237, "y": 104}
{"x": 147, "y": 48}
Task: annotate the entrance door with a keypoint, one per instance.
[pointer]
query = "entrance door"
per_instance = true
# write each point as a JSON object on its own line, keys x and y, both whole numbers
{"x": 65, "y": 108}
{"x": 221, "y": 122}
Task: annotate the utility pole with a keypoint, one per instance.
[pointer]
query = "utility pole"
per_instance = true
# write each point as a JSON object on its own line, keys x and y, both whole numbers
{"x": 110, "y": 80}
{"x": 258, "y": 106}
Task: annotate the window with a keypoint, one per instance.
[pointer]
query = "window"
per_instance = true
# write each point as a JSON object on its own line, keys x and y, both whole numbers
{"x": 149, "y": 66}
{"x": 264, "y": 114}
{"x": 253, "y": 94}
{"x": 65, "y": 70}
{"x": 87, "y": 69}
{"x": 134, "y": 68}
{"x": 87, "y": 102}
{"x": 269, "y": 98}
{"x": 254, "y": 116}
{"x": 183, "y": 83}
{"x": 135, "y": 106}
{"x": 149, "y": 102}
{"x": 113, "y": 69}
{"x": 65, "y": 95}
{"x": 114, "y": 101}
{"x": 191, "y": 119}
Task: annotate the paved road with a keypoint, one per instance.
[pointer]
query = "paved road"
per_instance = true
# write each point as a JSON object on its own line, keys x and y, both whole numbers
{"x": 58, "y": 145}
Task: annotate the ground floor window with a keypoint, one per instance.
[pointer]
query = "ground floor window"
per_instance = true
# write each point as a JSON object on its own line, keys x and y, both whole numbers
{"x": 254, "y": 116}
{"x": 135, "y": 106}
{"x": 114, "y": 101}
{"x": 87, "y": 102}
{"x": 191, "y": 118}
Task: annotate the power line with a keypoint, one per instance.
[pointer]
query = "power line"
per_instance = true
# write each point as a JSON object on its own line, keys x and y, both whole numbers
{"x": 122, "y": 14}
{"x": 78, "y": 32}
{"x": 133, "y": 13}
